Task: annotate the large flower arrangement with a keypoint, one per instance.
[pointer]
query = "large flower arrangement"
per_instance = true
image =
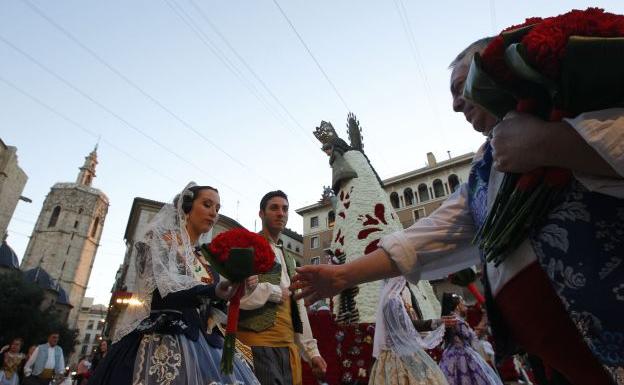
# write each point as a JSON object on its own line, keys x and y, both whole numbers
{"x": 237, "y": 254}
{"x": 553, "y": 68}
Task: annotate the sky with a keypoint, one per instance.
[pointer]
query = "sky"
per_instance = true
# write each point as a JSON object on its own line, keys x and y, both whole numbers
{"x": 227, "y": 93}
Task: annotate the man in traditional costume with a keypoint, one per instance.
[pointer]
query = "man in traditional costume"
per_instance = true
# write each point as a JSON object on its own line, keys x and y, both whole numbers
{"x": 272, "y": 322}
{"x": 46, "y": 362}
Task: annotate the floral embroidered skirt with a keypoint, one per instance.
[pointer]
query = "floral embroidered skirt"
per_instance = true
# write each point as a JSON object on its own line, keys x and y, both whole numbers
{"x": 415, "y": 369}
{"x": 168, "y": 359}
{"x": 463, "y": 365}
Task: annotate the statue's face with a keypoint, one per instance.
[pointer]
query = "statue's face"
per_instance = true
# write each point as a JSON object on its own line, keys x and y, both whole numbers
{"x": 328, "y": 150}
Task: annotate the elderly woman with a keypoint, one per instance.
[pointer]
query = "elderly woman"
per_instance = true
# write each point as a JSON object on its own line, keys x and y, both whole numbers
{"x": 542, "y": 297}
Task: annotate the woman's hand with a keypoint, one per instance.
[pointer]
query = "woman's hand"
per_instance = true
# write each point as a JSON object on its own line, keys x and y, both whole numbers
{"x": 317, "y": 282}
{"x": 251, "y": 283}
{"x": 449, "y": 321}
{"x": 226, "y": 289}
{"x": 521, "y": 141}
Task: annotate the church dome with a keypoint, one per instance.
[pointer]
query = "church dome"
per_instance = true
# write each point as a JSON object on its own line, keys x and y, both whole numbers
{"x": 8, "y": 258}
{"x": 45, "y": 281}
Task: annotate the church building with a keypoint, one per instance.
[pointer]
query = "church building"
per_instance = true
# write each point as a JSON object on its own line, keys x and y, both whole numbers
{"x": 67, "y": 234}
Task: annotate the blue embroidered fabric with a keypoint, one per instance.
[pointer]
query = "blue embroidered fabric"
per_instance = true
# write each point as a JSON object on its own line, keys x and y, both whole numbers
{"x": 580, "y": 246}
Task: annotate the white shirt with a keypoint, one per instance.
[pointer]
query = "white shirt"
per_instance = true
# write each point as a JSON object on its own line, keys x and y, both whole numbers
{"x": 50, "y": 363}
{"x": 267, "y": 292}
{"x": 441, "y": 243}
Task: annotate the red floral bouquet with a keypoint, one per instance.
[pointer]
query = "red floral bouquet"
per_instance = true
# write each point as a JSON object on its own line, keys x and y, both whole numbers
{"x": 552, "y": 68}
{"x": 237, "y": 254}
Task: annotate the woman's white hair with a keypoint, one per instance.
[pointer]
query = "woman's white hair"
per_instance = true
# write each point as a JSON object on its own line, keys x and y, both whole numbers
{"x": 466, "y": 55}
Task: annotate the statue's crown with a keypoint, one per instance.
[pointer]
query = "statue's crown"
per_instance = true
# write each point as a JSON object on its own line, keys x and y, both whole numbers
{"x": 325, "y": 132}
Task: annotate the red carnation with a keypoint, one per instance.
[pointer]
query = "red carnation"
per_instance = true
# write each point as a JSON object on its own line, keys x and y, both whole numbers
{"x": 237, "y": 254}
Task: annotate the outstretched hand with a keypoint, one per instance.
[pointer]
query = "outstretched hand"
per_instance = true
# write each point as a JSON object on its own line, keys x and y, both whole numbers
{"x": 315, "y": 282}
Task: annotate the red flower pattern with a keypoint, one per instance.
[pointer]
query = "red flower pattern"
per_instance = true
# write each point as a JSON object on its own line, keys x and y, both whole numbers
{"x": 264, "y": 258}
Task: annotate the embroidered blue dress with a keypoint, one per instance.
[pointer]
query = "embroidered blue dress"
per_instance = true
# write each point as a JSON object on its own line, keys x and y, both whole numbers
{"x": 580, "y": 246}
{"x": 171, "y": 347}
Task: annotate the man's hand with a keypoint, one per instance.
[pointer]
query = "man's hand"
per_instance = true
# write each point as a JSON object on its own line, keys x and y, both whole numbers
{"x": 285, "y": 295}
{"x": 317, "y": 282}
{"x": 319, "y": 367}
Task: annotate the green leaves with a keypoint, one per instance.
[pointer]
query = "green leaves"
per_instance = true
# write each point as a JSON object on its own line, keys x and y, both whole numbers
{"x": 592, "y": 76}
{"x": 515, "y": 57}
{"x": 238, "y": 266}
{"x": 484, "y": 91}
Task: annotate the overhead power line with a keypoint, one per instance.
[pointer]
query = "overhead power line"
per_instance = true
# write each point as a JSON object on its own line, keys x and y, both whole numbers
{"x": 83, "y": 128}
{"x": 248, "y": 67}
{"x": 214, "y": 49}
{"x": 309, "y": 51}
{"x": 411, "y": 38}
{"x": 114, "y": 114}
{"x": 128, "y": 81}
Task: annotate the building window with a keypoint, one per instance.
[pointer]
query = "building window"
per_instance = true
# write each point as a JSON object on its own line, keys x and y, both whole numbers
{"x": 314, "y": 222}
{"x": 409, "y": 196}
{"x": 289, "y": 246}
{"x": 54, "y": 218}
{"x": 87, "y": 339}
{"x": 100, "y": 325}
{"x": 423, "y": 192}
{"x": 95, "y": 227}
{"x": 453, "y": 182}
{"x": 90, "y": 325}
{"x": 83, "y": 351}
{"x": 314, "y": 242}
{"x": 315, "y": 260}
{"x": 76, "y": 225}
{"x": 331, "y": 219}
{"x": 297, "y": 249}
{"x": 419, "y": 213}
{"x": 394, "y": 200}
{"x": 438, "y": 188}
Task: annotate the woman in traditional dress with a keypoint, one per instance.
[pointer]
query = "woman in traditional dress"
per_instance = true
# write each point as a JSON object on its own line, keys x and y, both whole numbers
{"x": 398, "y": 346}
{"x": 460, "y": 362}
{"x": 10, "y": 359}
{"x": 162, "y": 336}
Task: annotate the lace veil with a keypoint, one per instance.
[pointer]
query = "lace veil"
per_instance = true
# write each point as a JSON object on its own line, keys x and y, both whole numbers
{"x": 164, "y": 260}
{"x": 394, "y": 329}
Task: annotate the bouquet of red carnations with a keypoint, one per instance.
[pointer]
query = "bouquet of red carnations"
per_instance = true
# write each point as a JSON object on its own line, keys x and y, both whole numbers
{"x": 553, "y": 68}
{"x": 237, "y": 254}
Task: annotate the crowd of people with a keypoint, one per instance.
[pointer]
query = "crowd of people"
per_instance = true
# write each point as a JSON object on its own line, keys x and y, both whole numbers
{"x": 44, "y": 364}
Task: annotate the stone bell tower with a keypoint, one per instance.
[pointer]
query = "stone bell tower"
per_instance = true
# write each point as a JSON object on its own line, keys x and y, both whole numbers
{"x": 67, "y": 234}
